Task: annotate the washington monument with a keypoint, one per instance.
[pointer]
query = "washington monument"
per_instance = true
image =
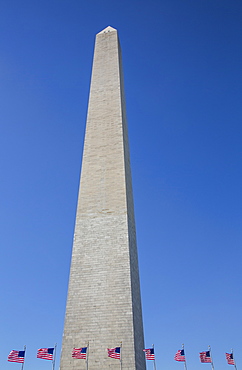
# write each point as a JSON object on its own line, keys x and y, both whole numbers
{"x": 104, "y": 305}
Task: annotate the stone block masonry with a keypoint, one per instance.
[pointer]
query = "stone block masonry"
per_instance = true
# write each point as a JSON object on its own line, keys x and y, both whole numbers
{"x": 104, "y": 304}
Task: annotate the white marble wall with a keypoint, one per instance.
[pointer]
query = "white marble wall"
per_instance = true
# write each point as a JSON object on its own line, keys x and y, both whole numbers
{"x": 103, "y": 305}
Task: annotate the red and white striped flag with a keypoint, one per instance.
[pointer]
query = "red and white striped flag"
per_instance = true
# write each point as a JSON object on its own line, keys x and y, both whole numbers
{"x": 45, "y": 353}
{"x": 149, "y": 353}
{"x": 114, "y": 352}
{"x": 205, "y": 357}
{"x": 230, "y": 358}
{"x": 16, "y": 356}
{"x": 80, "y": 353}
{"x": 180, "y": 355}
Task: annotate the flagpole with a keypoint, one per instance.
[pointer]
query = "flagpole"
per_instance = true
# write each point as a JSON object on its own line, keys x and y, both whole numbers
{"x": 209, "y": 348}
{"x": 87, "y": 354}
{"x": 24, "y": 358}
{"x": 53, "y": 361}
{"x": 185, "y": 364}
{"x": 233, "y": 359}
{"x": 154, "y": 356}
{"x": 120, "y": 355}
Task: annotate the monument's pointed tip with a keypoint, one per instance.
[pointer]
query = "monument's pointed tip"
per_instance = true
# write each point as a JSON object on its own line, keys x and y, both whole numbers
{"x": 107, "y": 29}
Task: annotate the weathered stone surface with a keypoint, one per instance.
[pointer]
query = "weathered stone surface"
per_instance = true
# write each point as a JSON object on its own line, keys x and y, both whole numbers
{"x": 104, "y": 305}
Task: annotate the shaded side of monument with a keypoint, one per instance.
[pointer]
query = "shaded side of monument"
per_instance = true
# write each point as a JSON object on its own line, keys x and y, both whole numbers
{"x": 104, "y": 304}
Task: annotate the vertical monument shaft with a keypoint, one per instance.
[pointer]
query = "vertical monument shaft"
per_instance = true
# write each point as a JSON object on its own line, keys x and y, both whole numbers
{"x": 104, "y": 304}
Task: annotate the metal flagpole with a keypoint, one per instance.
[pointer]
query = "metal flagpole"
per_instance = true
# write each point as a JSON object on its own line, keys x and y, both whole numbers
{"x": 209, "y": 348}
{"x": 53, "y": 361}
{"x": 185, "y": 364}
{"x": 154, "y": 356}
{"x": 87, "y": 354}
{"x": 120, "y": 355}
{"x": 233, "y": 359}
{"x": 22, "y": 367}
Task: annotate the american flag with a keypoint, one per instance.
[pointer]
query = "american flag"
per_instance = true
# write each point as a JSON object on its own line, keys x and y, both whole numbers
{"x": 80, "y": 353}
{"x": 230, "y": 358}
{"x": 180, "y": 355}
{"x": 114, "y": 352}
{"x": 16, "y": 356}
{"x": 45, "y": 353}
{"x": 149, "y": 353}
{"x": 205, "y": 357}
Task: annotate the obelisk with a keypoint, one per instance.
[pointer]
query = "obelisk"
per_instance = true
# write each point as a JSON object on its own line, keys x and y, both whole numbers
{"x": 104, "y": 304}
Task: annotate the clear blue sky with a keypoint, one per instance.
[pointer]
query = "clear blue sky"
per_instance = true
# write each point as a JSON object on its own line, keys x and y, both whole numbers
{"x": 182, "y": 65}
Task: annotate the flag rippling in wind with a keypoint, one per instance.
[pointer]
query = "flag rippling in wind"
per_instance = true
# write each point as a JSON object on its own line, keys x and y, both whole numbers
{"x": 114, "y": 352}
{"x": 16, "y": 356}
{"x": 149, "y": 353}
{"x": 80, "y": 353}
{"x": 230, "y": 358}
{"x": 45, "y": 353}
{"x": 205, "y": 357}
{"x": 180, "y": 355}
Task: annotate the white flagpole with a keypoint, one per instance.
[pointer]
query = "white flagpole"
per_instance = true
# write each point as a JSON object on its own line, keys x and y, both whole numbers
{"x": 209, "y": 348}
{"x": 53, "y": 361}
{"x": 154, "y": 357}
{"x": 120, "y": 355}
{"x": 185, "y": 364}
{"x": 87, "y": 354}
{"x": 22, "y": 367}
